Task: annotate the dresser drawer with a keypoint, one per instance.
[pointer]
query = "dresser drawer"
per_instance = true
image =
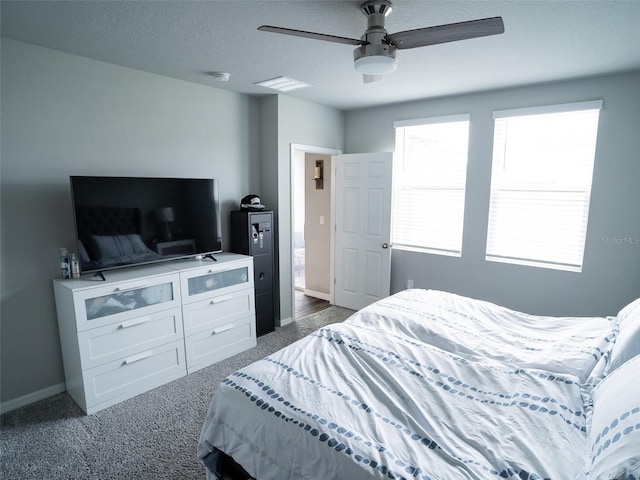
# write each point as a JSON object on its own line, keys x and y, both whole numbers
{"x": 120, "y": 301}
{"x": 122, "y": 339}
{"x": 206, "y": 282}
{"x": 125, "y": 378}
{"x": 217, "y": 311}
{"x": 218, "y": 343}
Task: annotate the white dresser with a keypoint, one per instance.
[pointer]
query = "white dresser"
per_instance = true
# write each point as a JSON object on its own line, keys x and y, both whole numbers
{"x": 145, "y": 326}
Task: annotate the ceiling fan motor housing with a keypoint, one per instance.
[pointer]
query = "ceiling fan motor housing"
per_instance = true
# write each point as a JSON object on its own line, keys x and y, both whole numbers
{"x": 376, "y": 56}
{"x": 375, "y": 53}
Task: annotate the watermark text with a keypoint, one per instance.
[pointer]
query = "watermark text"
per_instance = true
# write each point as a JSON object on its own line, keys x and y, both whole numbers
{"x": 620, "y": 240}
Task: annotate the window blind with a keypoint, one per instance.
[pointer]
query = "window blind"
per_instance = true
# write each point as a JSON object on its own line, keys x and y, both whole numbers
{"x": 541, "y": 176}
{"x": 429, "y": 178}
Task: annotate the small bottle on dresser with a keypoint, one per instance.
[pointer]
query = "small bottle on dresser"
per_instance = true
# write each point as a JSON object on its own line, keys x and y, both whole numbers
{"x": 75, "y": 266}
{"x": 65, "y": 268}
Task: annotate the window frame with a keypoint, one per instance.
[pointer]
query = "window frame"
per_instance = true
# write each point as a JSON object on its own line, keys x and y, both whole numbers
{"x": 432, "y": 248}
{"x": 570, "y": 195}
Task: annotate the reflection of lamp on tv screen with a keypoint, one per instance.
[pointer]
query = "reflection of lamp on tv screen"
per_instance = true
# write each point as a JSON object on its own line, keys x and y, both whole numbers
{"x": 123, "y": 221}
{"x": 164, "y": 217}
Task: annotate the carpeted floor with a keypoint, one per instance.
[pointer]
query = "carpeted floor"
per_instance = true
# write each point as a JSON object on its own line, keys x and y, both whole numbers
{"x": 151, "y": 436}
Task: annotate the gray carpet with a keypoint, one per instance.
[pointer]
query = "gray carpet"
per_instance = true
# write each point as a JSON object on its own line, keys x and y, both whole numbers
{"x": 151, "y": 436}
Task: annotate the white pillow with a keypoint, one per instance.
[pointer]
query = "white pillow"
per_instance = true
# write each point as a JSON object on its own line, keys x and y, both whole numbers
{"x": 630, "y": 311}
{"x": 613, "y": 444}
{"x": 627, "y": 343}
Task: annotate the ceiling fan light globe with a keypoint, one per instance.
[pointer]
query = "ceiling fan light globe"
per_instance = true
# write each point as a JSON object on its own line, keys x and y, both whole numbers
{"x": 375, "y": 64}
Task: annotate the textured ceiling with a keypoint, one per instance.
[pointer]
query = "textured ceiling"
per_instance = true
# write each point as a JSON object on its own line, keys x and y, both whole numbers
{"x": 543, "y": 41}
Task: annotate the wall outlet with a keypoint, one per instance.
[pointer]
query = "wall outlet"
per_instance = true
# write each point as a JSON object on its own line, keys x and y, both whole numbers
{"x": 409, "y": 283}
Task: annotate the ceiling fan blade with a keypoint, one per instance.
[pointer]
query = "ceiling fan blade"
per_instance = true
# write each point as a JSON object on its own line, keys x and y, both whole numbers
{"x": 312, "y": 35}
{"x": 451, "y": 32}
{"x": 371, "y": 78}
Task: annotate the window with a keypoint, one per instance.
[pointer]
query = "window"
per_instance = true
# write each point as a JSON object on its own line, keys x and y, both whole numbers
{"x": 541, "y": 185}
{"x": 429, "y": 177}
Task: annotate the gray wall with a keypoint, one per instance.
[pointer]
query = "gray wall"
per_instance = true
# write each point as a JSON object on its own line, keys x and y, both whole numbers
{"x": 611, "y": 271}
{"x": 64, "y": 115}
{"x": 297, "y": 122}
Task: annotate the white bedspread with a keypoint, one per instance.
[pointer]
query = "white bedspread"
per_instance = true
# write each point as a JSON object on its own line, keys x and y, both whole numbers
{"x": 478, "y": 329}
{"x": 372, "y": 398}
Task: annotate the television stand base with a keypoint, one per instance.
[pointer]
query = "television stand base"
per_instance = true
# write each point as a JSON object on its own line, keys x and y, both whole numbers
{"x": 208, "y": 255}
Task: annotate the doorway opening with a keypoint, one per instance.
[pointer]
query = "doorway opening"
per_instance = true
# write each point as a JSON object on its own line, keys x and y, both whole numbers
{"x": 312, "y": 233}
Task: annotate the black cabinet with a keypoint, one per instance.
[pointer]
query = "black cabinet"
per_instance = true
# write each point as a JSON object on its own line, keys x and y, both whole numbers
{"x": 252, "y": 234}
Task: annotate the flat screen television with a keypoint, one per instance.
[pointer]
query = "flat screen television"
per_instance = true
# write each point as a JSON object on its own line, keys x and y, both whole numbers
{"x": 127, "y": 221}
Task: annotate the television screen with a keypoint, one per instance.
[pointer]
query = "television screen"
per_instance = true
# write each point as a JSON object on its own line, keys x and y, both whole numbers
{"x": 124, "y": 221}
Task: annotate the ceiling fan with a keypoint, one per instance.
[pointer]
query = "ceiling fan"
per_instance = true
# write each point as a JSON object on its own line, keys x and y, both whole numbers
{"x": 376, "y": 52}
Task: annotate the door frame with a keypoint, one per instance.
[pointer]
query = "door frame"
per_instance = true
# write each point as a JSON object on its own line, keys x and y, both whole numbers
{"x": 304, "y": 149}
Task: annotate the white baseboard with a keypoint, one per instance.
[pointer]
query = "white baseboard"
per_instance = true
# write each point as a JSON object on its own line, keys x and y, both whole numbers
{"x": 285, "y": 321}
{"x": 320, "y": 295}
{"x": 32, "y": 397}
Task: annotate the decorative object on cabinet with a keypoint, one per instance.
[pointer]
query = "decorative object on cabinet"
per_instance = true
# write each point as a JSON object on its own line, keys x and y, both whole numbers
{"x": 251, "y": 203}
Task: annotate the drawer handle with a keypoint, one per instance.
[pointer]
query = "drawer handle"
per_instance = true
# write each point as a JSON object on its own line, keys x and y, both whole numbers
{"x": 133, "y": 287}
{"x": 221, "y": 299}
{"x": 131, "y": 323}
{"x": 138, "y": 357}
{"x": 222, "y": 329}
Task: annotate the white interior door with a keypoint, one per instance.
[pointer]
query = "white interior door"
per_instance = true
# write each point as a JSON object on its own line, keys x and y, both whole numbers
{"x": 363, "y": 228}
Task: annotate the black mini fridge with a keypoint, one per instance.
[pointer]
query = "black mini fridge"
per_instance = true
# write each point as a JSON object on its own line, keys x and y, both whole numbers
{"x": 252, "y": 234}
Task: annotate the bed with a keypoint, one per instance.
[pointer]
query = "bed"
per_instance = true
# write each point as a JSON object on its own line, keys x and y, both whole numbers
{"x": 435, "y": 386}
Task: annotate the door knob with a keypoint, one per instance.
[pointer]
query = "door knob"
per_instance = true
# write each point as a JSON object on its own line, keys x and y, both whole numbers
{"x": 385, "y": 245}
